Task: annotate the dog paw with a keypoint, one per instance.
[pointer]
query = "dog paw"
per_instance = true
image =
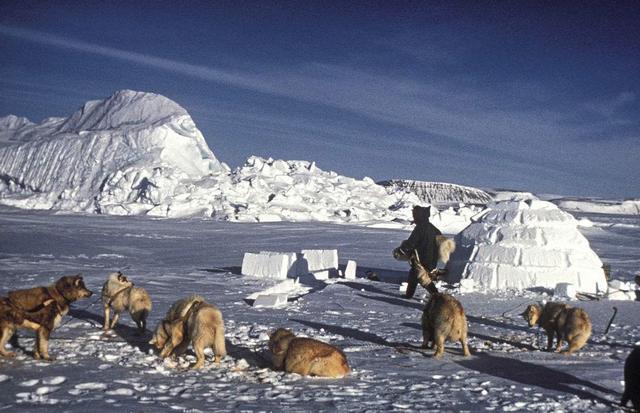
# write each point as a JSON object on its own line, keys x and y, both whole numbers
{"x": 8, "y": 354}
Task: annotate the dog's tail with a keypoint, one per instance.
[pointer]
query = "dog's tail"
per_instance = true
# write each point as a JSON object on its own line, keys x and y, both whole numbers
{"x": 219, "y": 346}
{"x": 9, "y": 312}
{"x": 446, "y": 246}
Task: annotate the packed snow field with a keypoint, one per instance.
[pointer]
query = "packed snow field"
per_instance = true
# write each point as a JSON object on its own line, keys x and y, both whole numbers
{"x": 375, "y": 326}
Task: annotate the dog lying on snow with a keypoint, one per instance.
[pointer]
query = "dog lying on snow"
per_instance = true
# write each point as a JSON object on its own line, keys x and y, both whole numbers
{"x": 119, "y": 294}
{"x": 567, "y": 323}
{"x": 306, "y": 356}
{"x": 40, "y": 309}
{"x": 191, "y": 320}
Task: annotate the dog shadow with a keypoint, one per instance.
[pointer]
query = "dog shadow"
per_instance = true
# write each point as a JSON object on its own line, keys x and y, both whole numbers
{"x": 254, "y": 358}
{"x": 349, "y": 332}
{"x": 531, "y": 374}
{"x": 492, "y": 339}
{"x": 492, "y": 323}
{"x": 132, "y": 335}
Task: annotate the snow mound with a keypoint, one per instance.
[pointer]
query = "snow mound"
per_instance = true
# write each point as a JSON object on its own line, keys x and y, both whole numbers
{"x": 132, "y": 148}
{"x": 525, "y": 244}
{"x": 439, "y": 193}
{"x": 278, "y": 190}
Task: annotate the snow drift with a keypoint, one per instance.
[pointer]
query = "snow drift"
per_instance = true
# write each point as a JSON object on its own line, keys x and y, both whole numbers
{"x": 524, "y": 244}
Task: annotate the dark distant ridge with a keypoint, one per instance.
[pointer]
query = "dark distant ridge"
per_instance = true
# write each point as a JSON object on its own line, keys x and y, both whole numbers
{"x": 438, "y": 193}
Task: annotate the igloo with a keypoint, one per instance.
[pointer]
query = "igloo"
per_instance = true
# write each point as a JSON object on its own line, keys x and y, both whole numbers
{"x": 524, "y": 244}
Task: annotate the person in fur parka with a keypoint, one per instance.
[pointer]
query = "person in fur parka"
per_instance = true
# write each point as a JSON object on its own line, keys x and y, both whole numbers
{"x": 422, "y": 240}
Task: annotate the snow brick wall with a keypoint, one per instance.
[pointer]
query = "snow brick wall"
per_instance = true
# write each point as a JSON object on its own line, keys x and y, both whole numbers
{"x": 525, "y": 244}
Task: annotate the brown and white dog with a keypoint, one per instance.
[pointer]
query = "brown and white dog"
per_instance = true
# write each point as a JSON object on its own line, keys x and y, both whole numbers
{"x": 565, "y": 322}
{"x": 191, "y": 321}
{"x": 40, "y": 309}
{"x": 443, "y": 319}
{"x": 306, "y": 356}
{"x": 119, "y": 294}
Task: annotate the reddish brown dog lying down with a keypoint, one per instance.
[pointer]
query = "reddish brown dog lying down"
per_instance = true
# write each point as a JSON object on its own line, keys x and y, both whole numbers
{"x": 306, "y": 356}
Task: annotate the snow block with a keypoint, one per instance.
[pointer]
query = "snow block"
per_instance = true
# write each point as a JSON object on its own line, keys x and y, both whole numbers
{"x": 293, "y": 267}
{"x": 270, "y": 300}
{"x": 567, "y": 290}
{"x": 321, "y": 275}
{"x": 350, "y": 271}
{"x": 318, "y": 260}
{"x": 620, "y": 285}
{"x": 275, "y": 266}
{"x": 467, "y": 285}
{"x": 403, "y": 288}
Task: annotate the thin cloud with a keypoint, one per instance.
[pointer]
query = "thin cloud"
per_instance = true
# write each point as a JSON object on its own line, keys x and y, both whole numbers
{"x": 467, "y": 119}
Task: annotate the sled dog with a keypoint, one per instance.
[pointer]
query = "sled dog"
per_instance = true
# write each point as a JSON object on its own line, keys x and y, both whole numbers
{"x": 119, "y": 294}
{"x": 306, "y": 356}
{"x": 567, "y": 323}
{"x": 443, "y": 320}
{"x": 191, "y": 321}
{"x": 40, "y": 309}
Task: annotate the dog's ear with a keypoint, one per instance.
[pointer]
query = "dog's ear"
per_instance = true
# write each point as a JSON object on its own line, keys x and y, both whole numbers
{"x": 78, "y": 282}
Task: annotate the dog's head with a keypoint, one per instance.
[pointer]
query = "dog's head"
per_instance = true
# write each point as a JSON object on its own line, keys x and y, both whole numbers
{"x": 160, "y": 335}
{"x": 279, "y": 340}
{"x": 72, "y": 287}
{"x": 532, "y": 314}
{"x": 120, "y": 279}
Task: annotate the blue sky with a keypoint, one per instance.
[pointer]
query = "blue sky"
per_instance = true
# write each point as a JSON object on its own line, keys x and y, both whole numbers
{"x": 524, "y": 95}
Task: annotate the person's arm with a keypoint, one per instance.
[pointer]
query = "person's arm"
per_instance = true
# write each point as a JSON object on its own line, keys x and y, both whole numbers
{"x": 412, "y": 242}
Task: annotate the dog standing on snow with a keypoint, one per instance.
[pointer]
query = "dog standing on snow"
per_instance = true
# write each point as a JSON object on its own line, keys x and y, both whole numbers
{"x": 192, "y": 321}
{"x": 567, "y": 323}
{"x": 443, "y": 320}
{"x": 40, "y": 309}
{"x": 306, "y": 356}
{"x": 119, "y": 294}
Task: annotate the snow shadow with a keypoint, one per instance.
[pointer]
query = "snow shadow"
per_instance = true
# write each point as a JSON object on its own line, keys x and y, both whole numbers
{"x": 402, "y": 302}
{"x": 531, "y": 374}
{"x": 349, "y": 332}
{"x": 385, "y": 275}
{"x": 368, "y": 287}
{"x": 234, "y": 269}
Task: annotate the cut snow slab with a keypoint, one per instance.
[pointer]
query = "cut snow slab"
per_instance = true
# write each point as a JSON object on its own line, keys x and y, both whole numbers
{"x": 350, "y": 270}
{"x": 566, "y": 290}
{"x": 271, "y": 300}
{"x": 318, "y": 260}
{"x": 273, "y": 265}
